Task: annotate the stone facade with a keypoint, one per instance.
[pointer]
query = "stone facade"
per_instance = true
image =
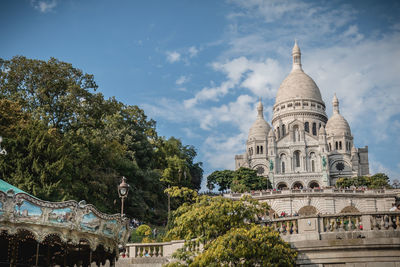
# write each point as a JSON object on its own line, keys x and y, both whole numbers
{"x": 303, "y": 148}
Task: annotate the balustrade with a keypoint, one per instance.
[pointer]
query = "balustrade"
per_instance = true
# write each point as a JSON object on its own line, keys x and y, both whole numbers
{"x": 284, "y": 227}
{"x": 388, "y": 221}
{"x": 148, "y": 250}
{"x": 343, "y": 222}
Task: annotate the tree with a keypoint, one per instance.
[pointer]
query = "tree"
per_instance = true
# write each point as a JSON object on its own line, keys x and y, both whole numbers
{"x": 241, "y": 180}
{"x": 177, "y": 163}
{"x": 248, "y": 179}
{"x": 215, "y": 222}
{"x": 253, "y": 245}
{"x": 376, "y": 181}
{"x": 65, "y": 141}
{"x": 379, "y": 180}
{"x": 221, "y": 178}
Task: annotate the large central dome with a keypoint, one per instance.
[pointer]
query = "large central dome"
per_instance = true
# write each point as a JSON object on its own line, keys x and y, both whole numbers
{"x": 297, "y": 84}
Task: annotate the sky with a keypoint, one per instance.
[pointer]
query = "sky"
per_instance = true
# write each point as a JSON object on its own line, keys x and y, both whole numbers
{"x": 198, "y": 68}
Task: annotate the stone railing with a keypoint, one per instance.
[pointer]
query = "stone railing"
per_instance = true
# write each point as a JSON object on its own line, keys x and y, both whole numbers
{"x": 153, "y": 250}
{"x": 327, "y": 190}
{"x": 318, "y": 227}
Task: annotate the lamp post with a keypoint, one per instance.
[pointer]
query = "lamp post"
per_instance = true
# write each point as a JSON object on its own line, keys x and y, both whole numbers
{"x": 123, "y": 189}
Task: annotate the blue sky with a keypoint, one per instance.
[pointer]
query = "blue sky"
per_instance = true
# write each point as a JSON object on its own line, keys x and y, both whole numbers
{"x": 198, "y": 67}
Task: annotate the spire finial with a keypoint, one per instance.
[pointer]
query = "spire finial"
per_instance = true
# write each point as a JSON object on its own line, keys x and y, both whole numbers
{"x": 260, "y": 109}
{"x": 296, "y": 54}
{"x": 335, "y": 103}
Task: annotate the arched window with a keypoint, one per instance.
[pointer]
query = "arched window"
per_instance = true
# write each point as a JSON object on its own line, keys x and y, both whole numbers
{"x": 307, "y": 127}
{"x": 313, "y": 185}
{"x": 283, "y": 160}
{"x": 258, "y": 150}
{"x": 283, "y": 130}
{"x": 297, "y": 158}
{"x": 279, "y": 133}
{"x": 340, "y": 145}
{"x": 337, "y": 146}
{"x": 261, "y": 149}
{"x": 314, "y": 128}
{"x": 296, "y": 133}
{"x": 330, "y": 147}
{"x": 312, "y": 166}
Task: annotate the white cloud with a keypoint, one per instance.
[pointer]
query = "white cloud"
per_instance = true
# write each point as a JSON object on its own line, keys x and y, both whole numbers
{"x": 173, "y": 56}
{"x": 193, "y": 51}
{"x": 44, "y": 6}
{"x": 377, "y": 167}
{"x": 261, "y": 78}
{"x": 182, "y": 79}
{"x": 220, "y": 150}
{"x": 364, "y": 77}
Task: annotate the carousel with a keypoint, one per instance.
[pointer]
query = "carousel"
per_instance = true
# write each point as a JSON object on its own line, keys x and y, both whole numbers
{"x": 34, "y": 232}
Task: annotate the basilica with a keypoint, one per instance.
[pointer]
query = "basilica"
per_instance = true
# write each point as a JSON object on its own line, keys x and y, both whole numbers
{"x": 303, "y": 148}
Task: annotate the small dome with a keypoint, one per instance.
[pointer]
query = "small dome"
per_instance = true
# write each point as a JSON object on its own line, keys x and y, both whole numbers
{"x": 260, "y": 128}
{"x": 298, "y": 85}
{"x": 337, "y": 125}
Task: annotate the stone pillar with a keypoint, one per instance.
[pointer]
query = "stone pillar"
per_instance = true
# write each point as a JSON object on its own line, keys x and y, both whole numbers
{"x": 366, "y": 222}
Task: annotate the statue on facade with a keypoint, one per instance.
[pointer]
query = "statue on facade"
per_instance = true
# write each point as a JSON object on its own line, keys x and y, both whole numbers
{"x": 323, "y": 162}
{"x": 271, "y": 165}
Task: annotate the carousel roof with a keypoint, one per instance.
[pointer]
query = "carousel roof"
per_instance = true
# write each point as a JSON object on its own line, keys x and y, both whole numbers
{"x": 4, "y": 187}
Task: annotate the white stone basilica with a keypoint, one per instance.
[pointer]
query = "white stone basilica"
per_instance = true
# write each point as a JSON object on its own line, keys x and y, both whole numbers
{"x": 304, "y": 148}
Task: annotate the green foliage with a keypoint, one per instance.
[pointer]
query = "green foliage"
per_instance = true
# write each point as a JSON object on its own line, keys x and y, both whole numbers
{"x": 222, "y": 224}
{"x": 221, "y": 178}
{"x": 253, "y": 245}
{"x": 241, "y": 180}
{"x": 379, "y": 180}
{"x": 65, "y": 141}
{"x": 177, "y": 162}
{"x": 143, "y": 230}
{"x": 184, "y": 193}
{"x": 208, "y": 217}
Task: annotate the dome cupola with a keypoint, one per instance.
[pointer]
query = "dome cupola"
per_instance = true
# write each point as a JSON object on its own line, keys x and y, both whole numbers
{"x": 337, "y": 125}
{"x": 297, "y": 84}
{"x": 260, "y": 128}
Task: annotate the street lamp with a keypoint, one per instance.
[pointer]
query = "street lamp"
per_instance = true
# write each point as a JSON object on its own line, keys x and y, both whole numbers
{"x": 123, "y": 189}
{"x": 2, "y": 151}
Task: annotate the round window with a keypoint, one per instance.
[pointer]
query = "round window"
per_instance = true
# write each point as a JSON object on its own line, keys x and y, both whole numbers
{"x": 260, "y": 170}
{"x": 340, "y": 166}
